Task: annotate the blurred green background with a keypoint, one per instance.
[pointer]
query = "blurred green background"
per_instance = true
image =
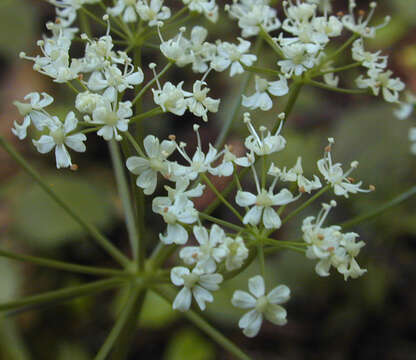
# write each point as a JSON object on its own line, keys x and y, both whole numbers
{"x": 368, "y": 318}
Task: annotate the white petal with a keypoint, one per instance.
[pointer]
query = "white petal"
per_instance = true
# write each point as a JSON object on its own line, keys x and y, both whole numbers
{"x": 243, "y": 300}
{"x": 270, "y": 219}
{"x": 256, "y": 286}
{"x": 176, "y": 275}
{"x": 201, "y": 234}
{"x": 63, "y": 159}
{"x": 201, "y": 296}
{"x": 245, "y": 198}
{"x": 279, "y": 295}
{"x": 137, "y": 165}
{"x": 276, "y": 314}
{"x": 183, "y": 300}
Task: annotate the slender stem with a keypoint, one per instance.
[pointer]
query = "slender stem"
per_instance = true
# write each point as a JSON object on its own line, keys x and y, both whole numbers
{"x": 260, "y": 70}
{"x": 338, "y": 69}
{"x": 147, "y": 114}
{"x": 260, "y": 255}
{"x": 60, "y": 265}
{"x": 91, "y": 229}
{"x": 221, "y": 222}
{"x": 134, "y": 143}
{"x": 336, "y": 89}
{"x": 160, "y": 254}
{"x": 219, "y": 195}
{"x": 376, "y": 212}
{"x": 151, "y": 82}
{"x": 340, "y": 49}
{"x": 293, "y": 96}
{"x": 266, "y": 36}
{"x": 62, "y": 294}
{"x": 123, "y": 344}
{"x": 123, "y": 189}
{"x": 200, "y": 322}
{"x": 272, "y": 250}
{"x": 211, "y": 208}
{"x": 123, "y": 318}
{"x": 72, "y": 87}
{"x": 232, "y": 274}
{"x": 306, "y": 204}
{"x": 232, "y": 115}
{"x": 85, "y": 25}
{"x": 102, "y": 22}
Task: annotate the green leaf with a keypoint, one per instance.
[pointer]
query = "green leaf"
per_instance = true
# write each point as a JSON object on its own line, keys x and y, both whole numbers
{"x": 40, "y": 221}
{"x": 189, "y": 344}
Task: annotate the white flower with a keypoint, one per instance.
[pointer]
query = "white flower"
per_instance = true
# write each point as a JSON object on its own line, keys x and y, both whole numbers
{"x": 180, "y": 211}
{"x": 156, "y": 161}
{"x": 382, "y": 80}
{"x": 32, "y": 113}
{"x": 368, "y": 59}
{"x": 265, "y": 144}
{"x": 330, "y": 246}
{"x": 208, "y": 254}
{"x": 171, "y": 98}
{"x": 207, "y": 7}
{"x": 114, "y": 117}
{"x": 262, "y": 206}
{"x": 263, "y": 305}
{"x": 298, "y": 58}
{"x": 335, "y": 176}
{"x": 87, "y": 101}
{"x": 234, "y": 55}
{"x": 252, "y": 15}
{"x": 154, "y": 13}
{"x": 360, "y": 25}
{"x": 200, "y": 51}
{"x": 125, "y": 9}
{"x": 236, "y": 251}
{"x": 406, "y": 108}
{"x": 196, "y": 283}
{"x": 412, "y": 138}
{"x": 199, "y": 104}
{"x": 112, "y": 76}
{"x": 261, "y": 99}
{"x": 59, "y": 136}
{"x": 295, "y": 174}
{"x": 176, "y": 49}
{"x": 181, "y": 188}
{"x": 201, "y": 162}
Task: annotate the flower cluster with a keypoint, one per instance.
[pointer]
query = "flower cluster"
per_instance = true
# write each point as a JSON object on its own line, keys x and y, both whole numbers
{"x": 109, "y": 83}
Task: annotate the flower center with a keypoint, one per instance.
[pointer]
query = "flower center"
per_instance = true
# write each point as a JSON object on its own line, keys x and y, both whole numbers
{"x": 264, "y": 199}
{"x": 261, "y": 304}
{"x": 58, "y": 136}
{"x": 111, "y": 118}
{"x": 190, "y": 280}
{"x": 262, "y": 85}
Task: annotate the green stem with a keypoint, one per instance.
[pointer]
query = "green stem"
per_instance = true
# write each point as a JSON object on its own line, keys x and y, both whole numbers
{"x": 232, "y": 115}
{"x": 272, "y": 250}
{"x": 260, "y": 70}
{"x": 340, "y": 49}
{"x": 201, "y": 323}
{"x": 134, "y": 143}
{"x": 60, "y": 265}
{"x": 260, "y": 255}
{"x": 335, "y": 70}
{"x": 123, "y": 344}
{"x": 102, "y": 22}
{"x": 62, "y": 294}
{"x": 91, "y": 229}
{"x": 221, "y": 222}
{"x": 160, "y": 254}
{"x": 147, "y": 114}
{"x": 123, "y": 189}
{"x": 266, "y": 36}
{"x": 122, "y": 320}
{"x": 72, "y": 87}
{"x": 336, "y": 89}
{"x": 151, "y": 82}
{"x": 232, "y": 274}
{"x": 211, "y": 207}
{"x": 306, "y": 204}
{"x": 293, "y": 96}
{"x": 219, "y": 195}
{"x": 376, "y": 212}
